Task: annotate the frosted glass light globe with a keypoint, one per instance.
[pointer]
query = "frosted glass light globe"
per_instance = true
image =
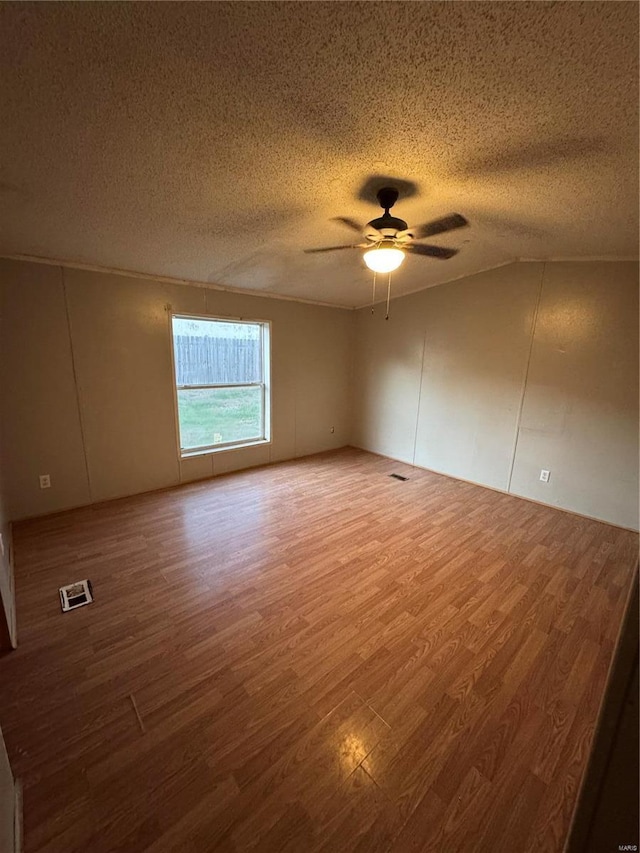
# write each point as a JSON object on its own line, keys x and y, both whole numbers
{"x": 384, "y": 258}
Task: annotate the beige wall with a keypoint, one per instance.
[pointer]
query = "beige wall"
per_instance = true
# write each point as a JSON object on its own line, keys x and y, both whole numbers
{"x": 489, "y": 378}
{"x": 580, "y": 411}
{"x": 496, "y": 376}
{"x": 40, "y": 422}
{"x": 90, "y": 382}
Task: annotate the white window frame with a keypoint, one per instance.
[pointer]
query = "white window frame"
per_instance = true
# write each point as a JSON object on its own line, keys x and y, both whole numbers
{"x": 265, "y": 339}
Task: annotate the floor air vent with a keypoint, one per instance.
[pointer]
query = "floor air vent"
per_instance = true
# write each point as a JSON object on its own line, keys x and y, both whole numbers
{"x": 399, "y": 477}
{"x": 75, "y": 595}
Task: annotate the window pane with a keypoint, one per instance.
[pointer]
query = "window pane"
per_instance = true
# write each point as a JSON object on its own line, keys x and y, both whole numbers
{"x": 218, "y": 415}
{"x": 208, "y": 352}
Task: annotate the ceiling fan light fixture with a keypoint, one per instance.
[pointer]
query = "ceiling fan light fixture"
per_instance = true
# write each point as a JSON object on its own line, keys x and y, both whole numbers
{"x": 385, "y": 257}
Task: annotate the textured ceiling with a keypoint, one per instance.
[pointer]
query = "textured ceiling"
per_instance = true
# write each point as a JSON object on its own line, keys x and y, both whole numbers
{"x": 214, "y": 141}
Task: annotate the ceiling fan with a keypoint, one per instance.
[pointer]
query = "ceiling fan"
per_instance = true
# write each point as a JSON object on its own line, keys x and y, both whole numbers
{"x": 387, "y": 237}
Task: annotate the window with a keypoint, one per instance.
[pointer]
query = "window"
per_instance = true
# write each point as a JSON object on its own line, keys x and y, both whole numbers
{"x": 222, "y": 388}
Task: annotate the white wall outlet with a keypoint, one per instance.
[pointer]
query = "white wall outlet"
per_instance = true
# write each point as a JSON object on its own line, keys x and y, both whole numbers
{"x": 45, "y": 481}
{"x": 544, "y": 475}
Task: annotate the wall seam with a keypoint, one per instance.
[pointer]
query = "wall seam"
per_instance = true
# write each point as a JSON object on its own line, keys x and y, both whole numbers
{"x": 75, "y": 383}
{"x": 415, "y": 434}
{"x": 295, "y": 396}
{"x": 351, "y": 407}
{"x": 526, "y": 378}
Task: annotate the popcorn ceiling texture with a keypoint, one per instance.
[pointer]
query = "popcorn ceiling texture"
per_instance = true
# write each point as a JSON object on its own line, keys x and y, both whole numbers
{"x": 214, "y": 141}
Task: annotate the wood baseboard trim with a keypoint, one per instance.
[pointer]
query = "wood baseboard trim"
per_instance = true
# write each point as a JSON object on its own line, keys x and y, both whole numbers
{"x": 173, "y": 486}
{"x": 500, "y": 491}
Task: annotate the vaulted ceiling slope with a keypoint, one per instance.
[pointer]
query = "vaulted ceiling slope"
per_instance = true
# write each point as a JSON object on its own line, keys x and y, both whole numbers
{"x": 215, "y": 141}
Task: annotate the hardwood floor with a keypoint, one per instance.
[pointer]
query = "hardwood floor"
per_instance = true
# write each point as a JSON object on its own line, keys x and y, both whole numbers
{"x": 311, "y": 656}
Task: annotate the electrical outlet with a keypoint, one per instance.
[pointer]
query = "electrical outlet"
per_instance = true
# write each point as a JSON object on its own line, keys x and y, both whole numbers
{"x": 333, "y": 429}
{"x": 45, "y": 481}
{"x": 544, "y": 475}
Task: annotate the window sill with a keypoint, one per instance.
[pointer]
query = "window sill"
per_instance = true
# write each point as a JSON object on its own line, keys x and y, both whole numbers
{"x": 189, "y": 454}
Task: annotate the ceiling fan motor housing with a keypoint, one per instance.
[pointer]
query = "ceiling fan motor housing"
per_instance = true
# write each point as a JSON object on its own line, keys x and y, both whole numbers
{"x": 387, "y": 197}
{"x": 387, "y": 224}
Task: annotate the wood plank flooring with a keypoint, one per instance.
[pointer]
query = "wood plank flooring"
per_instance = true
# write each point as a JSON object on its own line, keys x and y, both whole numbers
{"x": 312, "y": 656}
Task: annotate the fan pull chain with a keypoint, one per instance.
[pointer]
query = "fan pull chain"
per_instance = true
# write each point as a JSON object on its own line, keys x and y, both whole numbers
{"x": 388, "y": 296}
{"x": 373, "y": 295}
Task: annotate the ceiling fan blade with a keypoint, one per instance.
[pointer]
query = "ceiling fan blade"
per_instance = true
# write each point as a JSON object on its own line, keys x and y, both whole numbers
{"x": 329, "y": 249}
{"x": 439, "y": 252}
{"x": 350, "y": 223}
{"x": 367, "y": 230}
{"x": 438, "y": 226}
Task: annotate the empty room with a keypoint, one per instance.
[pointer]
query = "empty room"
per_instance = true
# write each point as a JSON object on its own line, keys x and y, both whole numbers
{"x": 319, "y": 427}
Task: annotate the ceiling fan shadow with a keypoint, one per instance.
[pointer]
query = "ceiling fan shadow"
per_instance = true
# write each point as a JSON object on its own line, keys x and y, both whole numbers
{"x": 508, "y": 227}
{"x": 535, "y": 155}
{"x": 374, "y": 183}
{"x": 263, "y": 220}
{"x": 261, "y": 268}
{"x": 14, "y": 190}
